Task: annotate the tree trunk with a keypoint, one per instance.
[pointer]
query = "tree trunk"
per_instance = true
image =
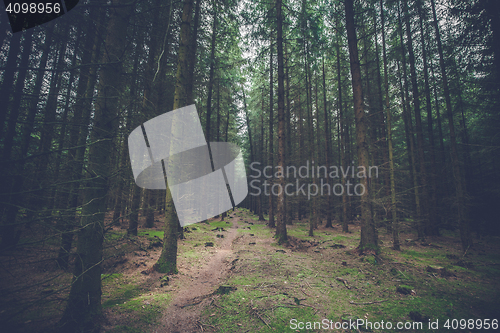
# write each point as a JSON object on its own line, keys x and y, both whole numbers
{"x": 395, "y": 223}
{"x": 408, "y": 125}
{"x": 192, "y": 52}
{"x": 8, "y": 76}
{"x": 271, "y": 223}
{"x": 329, "y": 202}
{"x": 261, "y": 158}
{"x": 281, "y": 235}
{"x": 463, "y": 222}
{"x": 211, "y": 74}
{"x": 418, "y": 127}
{"x": 167, "y": 263}
{"x": 432, "y": 227}
{"x": 84, "y": 302}
{"x": 342, "y": 126}
{"x": 368, "y": 232}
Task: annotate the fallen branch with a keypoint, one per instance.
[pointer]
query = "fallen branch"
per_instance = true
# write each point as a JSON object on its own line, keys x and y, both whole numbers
{"x": 344, "y": 281}
{"x": 260, "y": 317}
{"x": 203, "y": 324}
{"x": 305, "y": 293}
{"x": 200, "y": 299}
{"x": 285, "y": 306}
{"x": 367, "y": 303}
{"x": 190, "y": 304}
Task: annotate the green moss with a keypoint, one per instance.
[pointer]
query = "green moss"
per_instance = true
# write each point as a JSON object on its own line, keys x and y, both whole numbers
{"x": 371, "y": 259}
{"x": 113, "y": 235}
{"x": 119, "y": 288}
{"x": 371, "y": 247}
{"x": 151, "y": 234}
{"x": 143, "y": 309}
{"x": 237, "y": 312}
{"x": 166, "y": 267}
{"x": 221, "y": 224}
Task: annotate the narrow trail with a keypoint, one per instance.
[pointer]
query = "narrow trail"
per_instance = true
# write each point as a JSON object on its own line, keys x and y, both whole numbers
{"x": 184, "y": 311}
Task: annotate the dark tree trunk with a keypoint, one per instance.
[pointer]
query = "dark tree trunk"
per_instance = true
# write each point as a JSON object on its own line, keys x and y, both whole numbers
{"x": 281, "y": 235}
{"x": 463, "y": 222}
{"x": 418, "y": 127}
{"x": 329, "y": 203}
{"x": 167, "y": 263}
{"x": 84, "y": 302}
{"x": 368, "y": 232}
{"x": 271, "y": 222}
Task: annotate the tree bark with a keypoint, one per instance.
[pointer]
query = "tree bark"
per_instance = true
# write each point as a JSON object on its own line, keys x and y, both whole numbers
{"x": 342, "y": 143}
{"x": 368, "y": 232}
{"x": 463, "y": 222}
{"x": 432, "y": 227}
{"x": 329, "y": 202}
{"x": 418, "y": 127}
{"x": 84, "y": 302}
{"x": 271, "y": 222}
{"x": 281, "y": 235}
{"x": 167, "y": 263}
{"x": 393, "y": 208}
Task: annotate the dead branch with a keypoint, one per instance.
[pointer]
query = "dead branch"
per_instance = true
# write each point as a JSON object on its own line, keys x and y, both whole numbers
{"x": 254, "y": 311}
{"x": 367, "y": 303}
{"x": 343, "y": 281}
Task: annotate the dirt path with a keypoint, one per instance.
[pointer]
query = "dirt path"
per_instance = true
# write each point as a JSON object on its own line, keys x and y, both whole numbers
{"x": 183, "y": 314}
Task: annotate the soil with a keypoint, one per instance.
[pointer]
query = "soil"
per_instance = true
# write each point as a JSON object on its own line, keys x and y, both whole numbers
{"x": 323, "y": 276}
{"x": 182, "y": 316}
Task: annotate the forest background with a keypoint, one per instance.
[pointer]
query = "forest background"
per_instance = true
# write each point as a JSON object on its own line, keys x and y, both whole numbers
{"x": 411, "y": 87}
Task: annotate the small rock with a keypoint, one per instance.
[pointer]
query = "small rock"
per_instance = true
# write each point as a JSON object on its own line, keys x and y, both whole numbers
{"x": 164, "y": 281}
{"x": 441, "y": 270}
{"x": 223, "y": 290}
{"x": 209, "y": 244}
{"x": 405, "y": 290}
{"x": 465, "y": 264}
{"x": 417, "y": 316}
{"x": 252, "y": 243}
{"x": 157, "y": 243}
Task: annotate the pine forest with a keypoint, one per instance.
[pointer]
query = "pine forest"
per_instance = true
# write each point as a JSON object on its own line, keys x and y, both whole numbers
{"x": 355, "y": 143}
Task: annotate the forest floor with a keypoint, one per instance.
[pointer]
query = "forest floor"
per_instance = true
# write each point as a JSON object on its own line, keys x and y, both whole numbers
{"x": 247, "y": 283}
{"x": 233, "y": 277}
